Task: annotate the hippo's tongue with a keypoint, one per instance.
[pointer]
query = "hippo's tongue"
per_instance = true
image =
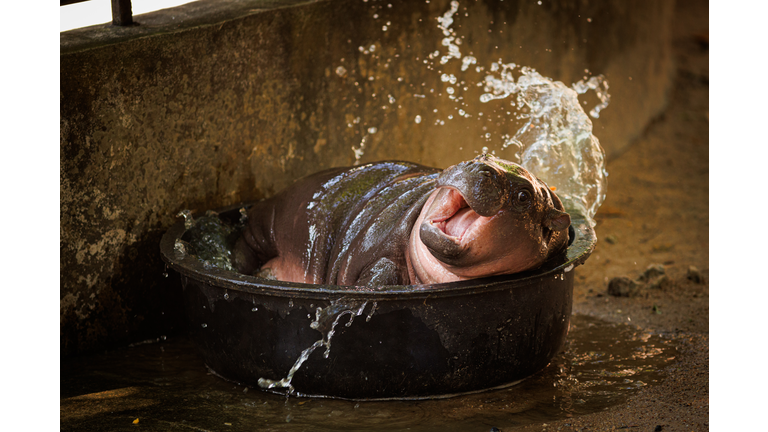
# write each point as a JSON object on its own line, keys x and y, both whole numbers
{"x": 458, "y": 224}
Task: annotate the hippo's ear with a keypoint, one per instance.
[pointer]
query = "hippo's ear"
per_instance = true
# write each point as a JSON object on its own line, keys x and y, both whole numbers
{"x": 557, "y": 220}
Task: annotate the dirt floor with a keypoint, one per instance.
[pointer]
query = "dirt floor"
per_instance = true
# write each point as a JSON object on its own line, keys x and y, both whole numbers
{"x": 657, "y": 213}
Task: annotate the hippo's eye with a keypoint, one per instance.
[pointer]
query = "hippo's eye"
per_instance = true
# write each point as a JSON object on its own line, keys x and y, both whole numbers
{"x": 523, "y": 197}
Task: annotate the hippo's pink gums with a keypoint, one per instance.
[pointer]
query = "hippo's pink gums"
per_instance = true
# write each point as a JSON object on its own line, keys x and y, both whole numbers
{"x": 391, "y": 223}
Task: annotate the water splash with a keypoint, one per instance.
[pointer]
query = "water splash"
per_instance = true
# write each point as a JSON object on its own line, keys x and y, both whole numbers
{"x": 555, "y": 138}
{"x": 243, "y": 216}
{"x": 360, "y": 150}
{"x": 180, "y": 248}
{"x": 326, "y": 320}
{"x": 450, "y": 40}
{"x": 189, "y": 221}
{"x": 555, "y": 142}
{"x": 600, "y": 85}
{"x": 466, "y": 62}
{"x": 210, "y": 239}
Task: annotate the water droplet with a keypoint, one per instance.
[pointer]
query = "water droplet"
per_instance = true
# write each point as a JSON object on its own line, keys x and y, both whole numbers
{"x": 204, "y": 325}
{"x": 341, "y": 71}
{"x": 180, "y": 247}
{"x": 466, "y": 61}
{"x": 226, "y": 296}
{"x": 418, "y": 119}
{"x": 372, "y": 130}
{"x": 254, "y": 309}
{"x": 189, "y": 222}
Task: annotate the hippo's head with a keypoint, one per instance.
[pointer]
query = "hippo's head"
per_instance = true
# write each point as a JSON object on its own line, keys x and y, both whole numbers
{"x": 487, "y": 216}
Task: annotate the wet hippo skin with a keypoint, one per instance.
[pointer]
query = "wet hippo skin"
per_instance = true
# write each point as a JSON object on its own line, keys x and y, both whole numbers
{"x": 390, "y": 223}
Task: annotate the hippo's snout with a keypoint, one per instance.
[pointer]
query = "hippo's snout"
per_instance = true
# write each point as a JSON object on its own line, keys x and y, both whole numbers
{"x": 483, "y": 186}
{"x": 491, "y": 216}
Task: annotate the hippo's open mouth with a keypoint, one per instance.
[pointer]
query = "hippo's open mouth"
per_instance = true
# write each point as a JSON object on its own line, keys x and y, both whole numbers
{"x": 449, "y": 225}
{"x": 453, "y": 216}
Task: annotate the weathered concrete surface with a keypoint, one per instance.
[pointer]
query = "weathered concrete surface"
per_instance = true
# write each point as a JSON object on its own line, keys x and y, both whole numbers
{"x": 215, "y": 103}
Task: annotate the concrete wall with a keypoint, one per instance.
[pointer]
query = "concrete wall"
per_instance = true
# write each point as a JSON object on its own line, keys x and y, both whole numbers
{"x": 220, "y": 102}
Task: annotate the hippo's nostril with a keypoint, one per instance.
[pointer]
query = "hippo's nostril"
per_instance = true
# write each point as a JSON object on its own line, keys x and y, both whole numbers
{"x": 546, "y": 233}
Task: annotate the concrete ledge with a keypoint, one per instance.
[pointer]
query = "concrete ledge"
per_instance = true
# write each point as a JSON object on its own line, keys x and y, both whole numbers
{"x": 166, "y": 21}
{"x": 219, "y": 102}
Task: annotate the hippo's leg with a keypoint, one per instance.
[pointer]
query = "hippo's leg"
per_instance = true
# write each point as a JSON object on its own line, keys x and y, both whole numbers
{"x": 256, "y": 245}
{"x": 382, "y": 272}
{"x": 244, "y": 258}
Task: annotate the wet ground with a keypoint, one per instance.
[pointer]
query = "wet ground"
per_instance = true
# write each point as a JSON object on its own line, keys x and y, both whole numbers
{"x": 166, "y": 386}
{"x": 637, "y": 356}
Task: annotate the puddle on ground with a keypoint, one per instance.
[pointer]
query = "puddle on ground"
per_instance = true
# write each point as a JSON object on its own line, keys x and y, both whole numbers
{"x": 166, "y": 386}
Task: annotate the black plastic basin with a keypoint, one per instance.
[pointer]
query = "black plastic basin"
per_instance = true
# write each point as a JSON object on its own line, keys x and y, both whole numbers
{"x": 414, "y": 341}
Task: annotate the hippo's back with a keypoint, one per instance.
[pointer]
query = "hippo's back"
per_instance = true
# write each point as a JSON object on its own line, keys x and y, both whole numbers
{"x": 328, "y": 227}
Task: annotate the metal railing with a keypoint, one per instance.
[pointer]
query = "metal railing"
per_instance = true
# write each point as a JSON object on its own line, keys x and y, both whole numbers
{"x": 121, "y": 11}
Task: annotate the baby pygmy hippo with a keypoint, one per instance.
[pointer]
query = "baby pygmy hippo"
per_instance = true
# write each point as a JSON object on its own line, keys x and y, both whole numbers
{"x": 400, "y": 223}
